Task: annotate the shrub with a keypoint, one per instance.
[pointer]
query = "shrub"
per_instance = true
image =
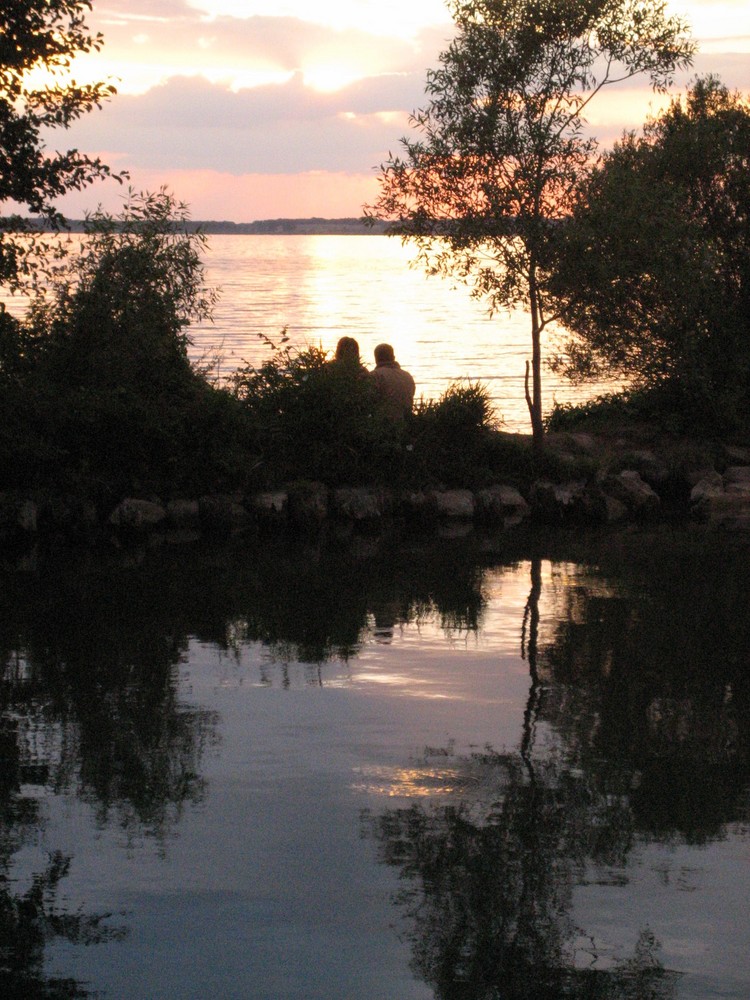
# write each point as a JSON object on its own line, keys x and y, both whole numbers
{"x": 316, "y": 419}
{"x": 100, "y": 393}
{"x": 452, "y": 438}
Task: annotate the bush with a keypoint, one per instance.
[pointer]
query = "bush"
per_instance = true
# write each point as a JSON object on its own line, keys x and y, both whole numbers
{"x": 316, "y": 419}
{"x": 452, "y": 439}
{"x": 99, "y": 392}
{"x": 677, "y": 407}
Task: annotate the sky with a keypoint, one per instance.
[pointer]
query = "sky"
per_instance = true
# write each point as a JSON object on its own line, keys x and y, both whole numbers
{"x": 259, "y": 109}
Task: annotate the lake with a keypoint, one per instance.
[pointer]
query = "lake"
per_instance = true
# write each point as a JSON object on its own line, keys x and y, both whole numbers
{"x": 325, "y": 287}
{"x": 320, "y": 288}
{"x": 378, "y": 767}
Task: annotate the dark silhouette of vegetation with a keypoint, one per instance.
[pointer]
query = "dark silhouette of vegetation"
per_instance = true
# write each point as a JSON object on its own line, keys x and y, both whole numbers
{"x": 502, "y": 147}
{"x": 44, "y": 35}
{"x": 654, "y": 270}
{"x": 314, "y": 420}
{"x": 99, "y": 395}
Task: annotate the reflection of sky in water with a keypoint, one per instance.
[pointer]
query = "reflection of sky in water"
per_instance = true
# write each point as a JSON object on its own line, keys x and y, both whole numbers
{"x": 266, "y": 889}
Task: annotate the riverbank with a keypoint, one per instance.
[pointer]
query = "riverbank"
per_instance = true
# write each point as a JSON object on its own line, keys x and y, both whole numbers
{"x": 633, "y": 475}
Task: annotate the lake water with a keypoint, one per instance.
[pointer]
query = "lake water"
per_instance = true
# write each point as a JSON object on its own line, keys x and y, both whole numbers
{"x": 381, "y": 768}
{"x": 325, "y": 287}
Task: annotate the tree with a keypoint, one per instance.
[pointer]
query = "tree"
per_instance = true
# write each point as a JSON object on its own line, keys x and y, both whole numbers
{"x": 123, "y": 304}
{"x": 39, "y": 40}
{"x": 503, "y": 144}
{"x": 655, "y": 275}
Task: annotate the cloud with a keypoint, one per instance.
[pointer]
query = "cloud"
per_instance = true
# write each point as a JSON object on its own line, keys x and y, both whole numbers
{"x": 143, "y": 51}
{"x": 285, "y": 128}
{"x": 224, "y": 100}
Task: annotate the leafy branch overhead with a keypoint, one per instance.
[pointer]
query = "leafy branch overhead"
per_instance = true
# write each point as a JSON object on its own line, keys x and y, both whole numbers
{"x": 39, "y": 41}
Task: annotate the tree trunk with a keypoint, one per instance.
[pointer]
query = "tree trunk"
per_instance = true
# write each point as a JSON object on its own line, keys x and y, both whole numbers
{"x": 534, "y": 398}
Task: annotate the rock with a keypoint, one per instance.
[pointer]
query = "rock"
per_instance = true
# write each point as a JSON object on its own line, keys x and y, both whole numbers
{"x": 573, "y": 502}
{"x": 729, "y": 511}
{"x": 359, "y": 503}
{"x": 183, "y": 514}
{"x": 222, "y": 514}
{"x": 18, "y": 517}
{"x": 453, "y": 503}
{"x": 737, "y": 454}
{"x": 629, "y": 488}
{"x": 270, "y": 502}
{"x": 415, "y": 503}
{"x": 308, "y": 504}
{"x": 711, "y": 485}
{"x": 137, "y": 516}
{"x": 454, "y": 528}
{"x": 615, "y": 510}
{"x": 503, "y": 504}
{"x": 648, "y": 466}
{"x": 737, "y": 479}
{"x": 27, "y": 517}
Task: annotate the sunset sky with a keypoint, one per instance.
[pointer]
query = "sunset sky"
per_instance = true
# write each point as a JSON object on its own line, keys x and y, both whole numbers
{"x": 253, "y": 109}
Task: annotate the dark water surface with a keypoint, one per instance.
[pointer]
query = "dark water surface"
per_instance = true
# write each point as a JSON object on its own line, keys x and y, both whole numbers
{"x": 378, "y": 768}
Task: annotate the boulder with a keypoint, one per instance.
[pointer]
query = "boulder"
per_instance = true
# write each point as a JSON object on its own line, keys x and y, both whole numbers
{"x": 18, "y": 517}
{"x": 650, "y": 468}
{"x": 222, "y": 514}
{"x": 615, "y": 511}
{"x": 307, "y": 504}
{"x": 183, "y": 514}
{"x": 711, "y": 485}
{"x": 573, "y": 502}
{"x": 729, "y": 511}
{"x": 453, "y": 503}
{"x": 737, "y": 454}
{"x": 630, "y": 489}
{"x": 137, "y": 516}
{"x": 359, "y": 503}
{"x": 737, "y": 479}
{"x": 503, "y": 504}
{"x": 415, "y": 503}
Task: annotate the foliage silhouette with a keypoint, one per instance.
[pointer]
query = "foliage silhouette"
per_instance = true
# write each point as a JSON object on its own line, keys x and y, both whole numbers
{"x": 44, "y": 36}
{"x": 501, "y": 145}
{"x": 654, "y": 276}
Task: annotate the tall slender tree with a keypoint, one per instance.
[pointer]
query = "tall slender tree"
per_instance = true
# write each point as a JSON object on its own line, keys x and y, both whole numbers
{"x": 502, "y": 144}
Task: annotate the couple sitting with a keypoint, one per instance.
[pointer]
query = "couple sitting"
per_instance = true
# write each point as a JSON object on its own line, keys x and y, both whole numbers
{"x": 394, "y": 385}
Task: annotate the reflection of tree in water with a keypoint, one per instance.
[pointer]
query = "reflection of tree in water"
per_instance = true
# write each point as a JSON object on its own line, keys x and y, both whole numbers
{"x": 91, "y": 680}
{"x": 489, "y": 883}
{"x": 646, "y": 687}
{"x": 653, "y": 679}
{"x": 89, "y": 703}
{"x": 30, "y": 919}
{"x": 320, "y": 602}
{"x": 91, "y": 652}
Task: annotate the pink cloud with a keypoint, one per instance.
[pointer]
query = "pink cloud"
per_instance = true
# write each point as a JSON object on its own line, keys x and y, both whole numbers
{"x": 210, "y": 194}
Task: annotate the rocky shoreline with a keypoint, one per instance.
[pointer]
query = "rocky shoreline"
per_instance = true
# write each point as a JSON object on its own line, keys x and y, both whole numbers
{"x": 598, "y": 481}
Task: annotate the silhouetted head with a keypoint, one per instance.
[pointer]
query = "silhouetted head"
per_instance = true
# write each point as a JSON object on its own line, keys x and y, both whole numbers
{"x": 347, "y": 349}
{"x": 384, "y": 354}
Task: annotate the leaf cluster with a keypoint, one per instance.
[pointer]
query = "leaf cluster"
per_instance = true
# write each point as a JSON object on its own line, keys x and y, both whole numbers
{"x": 654, "y": 264}
{"x": 38, "y": 44}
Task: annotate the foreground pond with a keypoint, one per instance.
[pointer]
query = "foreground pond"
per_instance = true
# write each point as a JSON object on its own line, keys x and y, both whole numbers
{"x": 378, "y": 769}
